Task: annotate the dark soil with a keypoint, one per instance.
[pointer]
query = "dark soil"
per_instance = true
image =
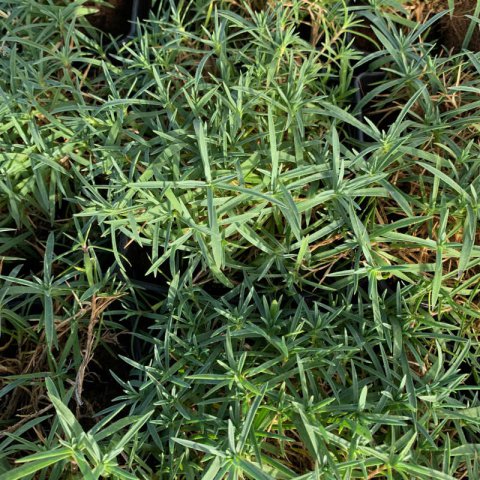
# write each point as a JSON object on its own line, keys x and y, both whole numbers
{"x": 364, "y": 38}
{"x": 114, "y": 19}
{"x": 452, "y": 29}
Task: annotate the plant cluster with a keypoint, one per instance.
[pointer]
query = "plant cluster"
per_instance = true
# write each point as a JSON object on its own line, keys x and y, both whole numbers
{"x": 218, "y": 260}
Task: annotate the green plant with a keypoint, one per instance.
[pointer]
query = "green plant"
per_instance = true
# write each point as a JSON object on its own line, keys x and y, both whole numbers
{"x": 298, "y": 304}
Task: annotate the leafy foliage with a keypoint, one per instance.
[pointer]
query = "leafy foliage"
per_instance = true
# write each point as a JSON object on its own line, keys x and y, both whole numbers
{"x": 266, "y": 274}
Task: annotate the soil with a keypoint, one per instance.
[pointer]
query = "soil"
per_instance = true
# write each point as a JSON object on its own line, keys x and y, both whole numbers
{"x": 113, "y": 19}
{"x": 364, "y": 38}
{"x": 451, "y": 28}
{"x": 454, "y": 28}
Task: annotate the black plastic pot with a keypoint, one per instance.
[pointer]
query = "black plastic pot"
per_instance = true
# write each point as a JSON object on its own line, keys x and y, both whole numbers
{"x": 364, "y": 83}
{"x": 140, "y": 9}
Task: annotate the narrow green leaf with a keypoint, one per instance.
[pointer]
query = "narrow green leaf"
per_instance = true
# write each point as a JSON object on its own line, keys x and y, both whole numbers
{"x": 273, "y": 150}
{"x": 248, "y": 422}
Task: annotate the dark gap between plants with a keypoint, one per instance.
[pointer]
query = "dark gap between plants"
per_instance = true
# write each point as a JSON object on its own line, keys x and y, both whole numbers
{"x": 363, "y": 38}
{"x": 304, "y": 29}
{"x": 364, "y": 84}
{"x": 99, "y": 387}
{"x": 120, "y": 18}
{"x": 138, "y": 262}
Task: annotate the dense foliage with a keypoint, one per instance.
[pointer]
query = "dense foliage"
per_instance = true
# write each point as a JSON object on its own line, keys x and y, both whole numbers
{"x": 226, "y": 251}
